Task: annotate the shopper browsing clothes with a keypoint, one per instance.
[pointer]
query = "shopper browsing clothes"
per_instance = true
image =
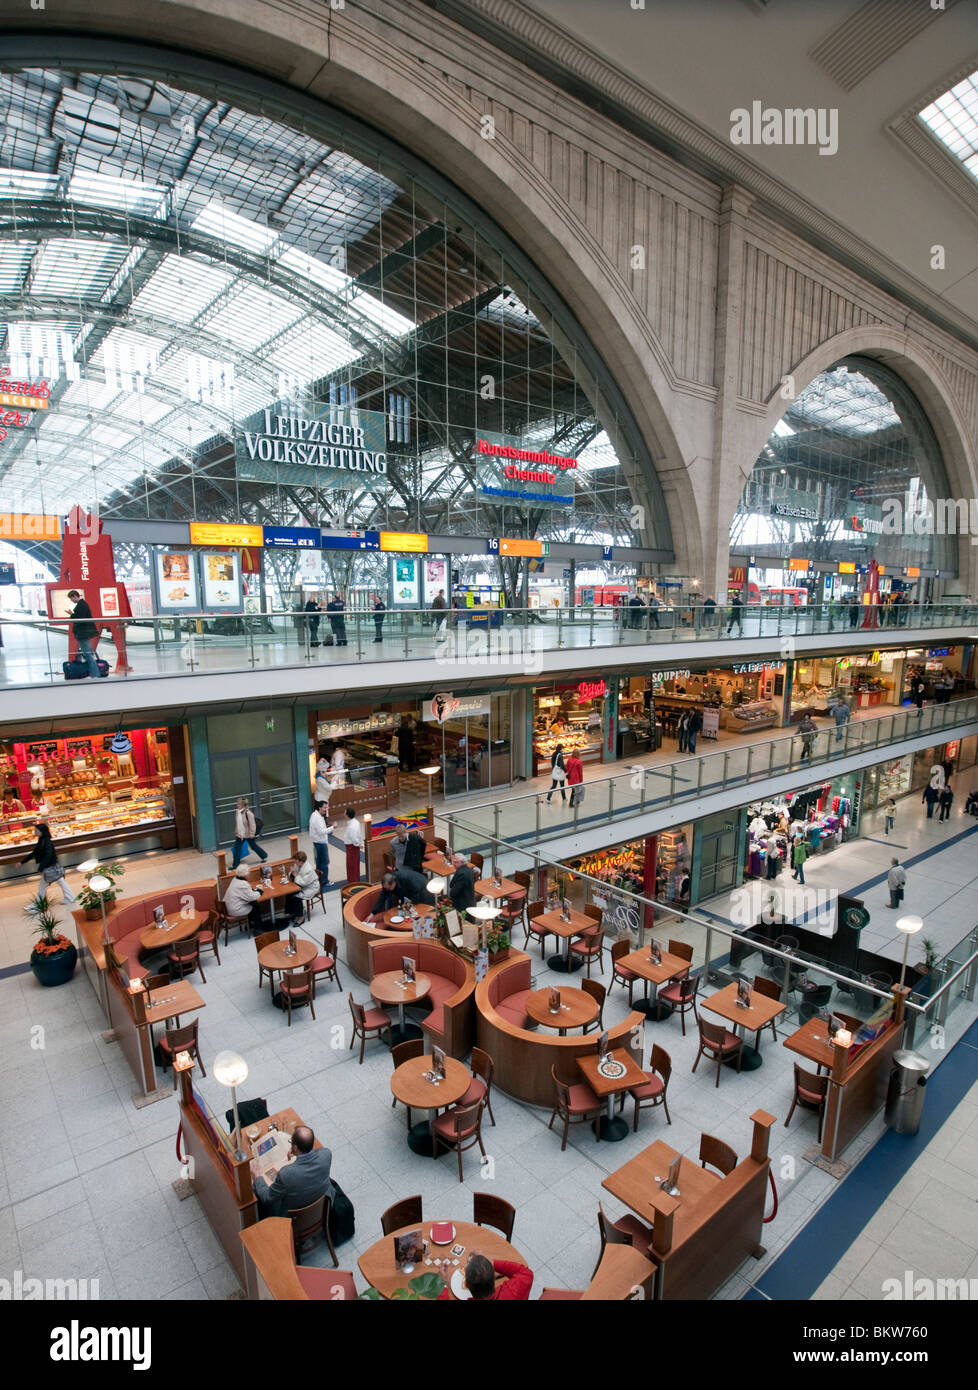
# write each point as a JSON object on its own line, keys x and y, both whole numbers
{"x": 558, "y": 773}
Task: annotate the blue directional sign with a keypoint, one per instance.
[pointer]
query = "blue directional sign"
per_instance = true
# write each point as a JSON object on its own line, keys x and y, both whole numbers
{"x": 353, "y": 540}
{"x": 607, "y": 552}
{"x": 292, "y": 537}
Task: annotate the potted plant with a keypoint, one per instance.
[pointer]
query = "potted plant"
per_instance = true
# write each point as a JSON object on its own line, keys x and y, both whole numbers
{"x": 497, "y": 943}
{"x": 54, "y": 957}
{"x": 91, "y": 902}
{"x": 420, "y": 1287}
{"x": 924, "y": 983}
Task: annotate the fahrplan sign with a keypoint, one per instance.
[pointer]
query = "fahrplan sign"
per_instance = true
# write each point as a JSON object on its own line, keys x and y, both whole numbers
{"x": 330, "y": 447}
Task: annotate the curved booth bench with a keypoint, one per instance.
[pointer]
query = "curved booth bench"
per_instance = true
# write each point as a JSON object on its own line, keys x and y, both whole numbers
{"x": 128, "y": 919}
{"x": 524, "y": 1058}
{"x": 359, "y": 937}
{"x": 450, "y": 1025}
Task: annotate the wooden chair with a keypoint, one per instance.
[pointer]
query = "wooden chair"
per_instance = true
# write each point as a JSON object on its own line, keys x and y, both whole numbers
{"x": 589, "y": 948}
{"x": 596, "y": 915}
{"x": 717, "y": 1154}
{"x": 184, "y": 1039}
{"x": 620, "y": 974}
{"x": 368, "y": 1023}
{"x": 493, "y": 1211}
{"x": 597, "y": 992}
{"x": 574, "y": 1103}
{"x": 627, "y": 1230}
{"x": 184, "y": 958}
{"x": 653, "y": 1091}
{"x": 298, "y": 988}
{"x": 811, "y": 1092}
{"x": 460, "y": 1128}
{"x": 307, "y": 903}
{"x": 524, "y": 879}
{"x": 206, "y": 935}
{"x": 770, "y": 990}
{"x": 538, "y": 933}
{"x": 407, "y": 1212}
{"x": 265, "y": 938}
{"x": 477, "y": 862}
{"x": 682, "y": 949}
{"x": 310, "y": 1225}
{"x": 550, "y": 1295}
{"x": 440, "y": 845}
{"x": 348, "y": 889}
{"x": 222, "y": 922}
{"x": 716, "y": 1042}
{"x": 401, "y": 1053}
{"x": 681, "y": 994}
{"x": 325, "y": 964}
{"x": 483, "y": 1071}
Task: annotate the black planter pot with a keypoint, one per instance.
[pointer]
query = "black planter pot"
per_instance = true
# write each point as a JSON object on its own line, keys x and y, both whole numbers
{"x": 57, "y": 969}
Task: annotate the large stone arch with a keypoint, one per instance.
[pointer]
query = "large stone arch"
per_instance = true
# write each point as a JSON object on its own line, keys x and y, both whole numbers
{"x": 345, "y": 58}
{"x": 920, "y": 371}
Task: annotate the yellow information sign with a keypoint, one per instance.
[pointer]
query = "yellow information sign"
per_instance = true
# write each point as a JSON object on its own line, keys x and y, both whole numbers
{"x": 224, "y": 533}
{"x": 415, "y": 542}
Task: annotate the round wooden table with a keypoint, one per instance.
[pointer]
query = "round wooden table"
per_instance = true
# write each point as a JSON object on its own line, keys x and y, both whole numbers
{"x": 272, "y": 957}
{"x": 407, "y": 924}
{"x": 379, "y": 1267}
{"x": 408, "y": 1084}
{"x": 577, "y": 1009}
{"x": 154, "y": 938}
{"x": 438, "y": 864}
{"x": 389, "y": 988}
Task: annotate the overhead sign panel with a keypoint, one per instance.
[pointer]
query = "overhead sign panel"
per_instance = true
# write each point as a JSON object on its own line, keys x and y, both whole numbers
{"x": 352, "y": 540}
{"x": 293, "y": 537}
{"x": 413, "y": 542}
{"x": 224, "y": 533}
{"x": 29, "y": 526}
{"x": 507, "y": 467}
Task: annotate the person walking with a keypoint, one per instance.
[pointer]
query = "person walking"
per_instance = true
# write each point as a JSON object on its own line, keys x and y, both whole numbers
{"x": 405, "y": 745}
{"x": 85, "y": 632}
{"x": 896, "y": 881}
{"x": 709, "y": 612}
{"x": 946, "y": 798}
{"x": 841, "y": 714}
{"x": 336, "y": 608}
{"x": 889, "y": 815}
{"x": 575, "y": 779}
{"x": 737, "y": 613}
{"x": 799, "y": 853}
{"x": 353, "y": 839}
{"x": 808, "y": 732}
{"x": 931, "y": 796}
{"x": 682, "y": 730}
{"x": 692, "y": 729}
{"x": 319, "y": 829}
{"x": 558, "y": 773}
{"x": 440, "y": 607}
{"x": 853, "y": 603}
{"x": 634, "y": 616}
{"x": 917, "y": 689}
{"x": 246, "y": 830}
{"x": 313, "y": 609}
{"x": 46, "y": 857}
{"x": 379, "y": 614}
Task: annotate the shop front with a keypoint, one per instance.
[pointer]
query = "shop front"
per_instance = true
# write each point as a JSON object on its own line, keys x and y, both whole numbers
{"x": 469, "y": 738}
{"x": 822, "y": 813}
{"x": 657, "y": 866}
{"x": 743, "y": 696}
{"x": 361, "y": 746}
{"x": 104, "y": 795}
{"x": 568, "y": 716}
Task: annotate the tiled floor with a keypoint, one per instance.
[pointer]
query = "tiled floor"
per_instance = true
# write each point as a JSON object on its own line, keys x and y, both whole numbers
{"x": 85, "y": 1178}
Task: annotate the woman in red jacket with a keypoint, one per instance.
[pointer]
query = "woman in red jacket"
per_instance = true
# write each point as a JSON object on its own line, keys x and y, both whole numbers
{"x": 575, "y": 779}
{"x": 480, "y": 1280}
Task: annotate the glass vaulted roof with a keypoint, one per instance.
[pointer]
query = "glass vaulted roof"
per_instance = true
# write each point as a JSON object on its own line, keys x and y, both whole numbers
{"x": 953, "y": 119}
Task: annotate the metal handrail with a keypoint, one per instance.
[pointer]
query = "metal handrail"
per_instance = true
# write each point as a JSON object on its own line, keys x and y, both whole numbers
{"x": 923, "y": 1008}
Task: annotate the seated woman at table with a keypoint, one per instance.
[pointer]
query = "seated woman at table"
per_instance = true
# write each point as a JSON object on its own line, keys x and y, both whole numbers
{"x": 241, "y": 899}
{"x": 388, "y": 897}
{"x": 304, "y": 875}
{"x": 414, "y": 887}
{"x": 480, "y": 1280}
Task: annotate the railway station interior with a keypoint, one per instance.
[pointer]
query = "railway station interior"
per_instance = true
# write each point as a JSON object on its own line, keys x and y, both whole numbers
{"x": 489, "y": 651}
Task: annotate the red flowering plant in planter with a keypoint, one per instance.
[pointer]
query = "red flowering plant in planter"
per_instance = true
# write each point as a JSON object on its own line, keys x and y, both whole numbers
{"x": 54, "y": 956}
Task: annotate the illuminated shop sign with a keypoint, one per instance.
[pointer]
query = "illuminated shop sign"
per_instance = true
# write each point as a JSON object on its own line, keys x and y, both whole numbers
{"x": 505, "y": 468}
{"x": 748, "y": 668}
{"x": 591, "y": 690}
{"x": 289, "y": 447}
{"x": 32, "y": 395}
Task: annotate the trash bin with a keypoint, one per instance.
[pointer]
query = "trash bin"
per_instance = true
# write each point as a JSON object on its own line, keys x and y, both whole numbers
{"x": 905, "y": 1095}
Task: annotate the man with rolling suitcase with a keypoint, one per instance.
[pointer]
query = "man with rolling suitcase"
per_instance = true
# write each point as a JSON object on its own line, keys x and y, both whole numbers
{"x": 85, "y": 633}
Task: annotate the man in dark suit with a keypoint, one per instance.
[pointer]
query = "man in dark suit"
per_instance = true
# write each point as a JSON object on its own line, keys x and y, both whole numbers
{"x": 85, "y": 633}
{"x": 299, "y": 1183}
{"x": 414, "y": 887}
{"x": 414, "y": 851}
{"x": 461, "y": 885}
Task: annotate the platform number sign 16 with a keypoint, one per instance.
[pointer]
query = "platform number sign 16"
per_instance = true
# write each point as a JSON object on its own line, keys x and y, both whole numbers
{"x": 492, "y": 545}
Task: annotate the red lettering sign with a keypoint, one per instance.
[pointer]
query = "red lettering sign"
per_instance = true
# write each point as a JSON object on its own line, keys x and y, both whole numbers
{"x": 591, "y": 690}
{"x": 507, "y": 451}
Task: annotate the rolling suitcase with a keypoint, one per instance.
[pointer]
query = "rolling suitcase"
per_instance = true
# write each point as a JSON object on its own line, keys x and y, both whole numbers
{"x": 78, "y": 670}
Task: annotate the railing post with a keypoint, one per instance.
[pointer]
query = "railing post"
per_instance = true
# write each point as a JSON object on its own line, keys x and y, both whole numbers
{"x": 970, "y": 978}
{"x": 708, "y": 954}
{"x": 672, "y": 782}
{"x": 723, "y": 780}
{"x": 699, "y": 776}
{"x": 495, "y": 822}
{"x": 943, "y": 969}
{"x": 611, "y": 798}
{"x": 591, "y": 629}
{"x": 538, "y": 815}
{"x": 770, "y": 758}
{"x": 251, "y": 640}
{"x": 645, "y": 780}
{"x": 787, "y": 981}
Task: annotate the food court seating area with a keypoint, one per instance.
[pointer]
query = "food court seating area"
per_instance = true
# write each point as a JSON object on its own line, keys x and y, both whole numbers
{"x": 450, "y": 1024}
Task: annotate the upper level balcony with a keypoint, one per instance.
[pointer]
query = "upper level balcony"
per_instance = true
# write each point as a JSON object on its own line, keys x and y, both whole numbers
{"x": 172, "y": 664}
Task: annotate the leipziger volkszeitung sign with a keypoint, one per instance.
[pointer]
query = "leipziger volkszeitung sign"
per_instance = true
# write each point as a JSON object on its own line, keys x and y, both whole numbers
{"x": 337, "y": 448}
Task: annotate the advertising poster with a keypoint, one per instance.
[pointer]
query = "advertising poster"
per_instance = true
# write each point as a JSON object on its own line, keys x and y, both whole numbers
{"x": 221, "y": 581}
{"x": 176, "y": 581}
{"x": 435, "y": 574}
{"x": 109, "y": 602}
{"x": 404, "y": 583}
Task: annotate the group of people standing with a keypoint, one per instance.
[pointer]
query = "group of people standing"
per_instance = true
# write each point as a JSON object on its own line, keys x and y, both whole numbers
{"x": 569, "y": 771}
{"x": 688, "y": 729}
{"x": 335, "y": 611}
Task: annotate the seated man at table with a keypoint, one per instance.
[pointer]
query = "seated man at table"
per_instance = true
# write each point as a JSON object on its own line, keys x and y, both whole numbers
{"x": 298, "y": 1183}
{"x": 414, "y": 851}
{"x": 461, "y": 885}
{"x": 398, "y": 846}
{"x": 305, "y": 877}
{"x": 414, "y": 887}
{"x": 388, "y": 897}
{"x": 241, "y": 899}
{"x": 480, "y": 1280}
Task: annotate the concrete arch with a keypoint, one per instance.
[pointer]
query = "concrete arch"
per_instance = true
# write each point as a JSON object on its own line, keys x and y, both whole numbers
{"x": 922, "y": 374}
{"x": 349, "y": 62}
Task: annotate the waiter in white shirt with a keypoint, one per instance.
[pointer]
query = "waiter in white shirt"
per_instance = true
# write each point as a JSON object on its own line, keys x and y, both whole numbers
{"x": 319, "y": 829}
{"x": 353, "y": 839}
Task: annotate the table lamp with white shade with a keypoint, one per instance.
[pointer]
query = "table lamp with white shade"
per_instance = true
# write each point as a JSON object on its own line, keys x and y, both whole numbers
{"x": 430, "y": 772}
{"x": 232, "y": 1070}
{"x": 437, "y": 886}
{"x": 910, "y": 926}
{"x": 100, "y": 884}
